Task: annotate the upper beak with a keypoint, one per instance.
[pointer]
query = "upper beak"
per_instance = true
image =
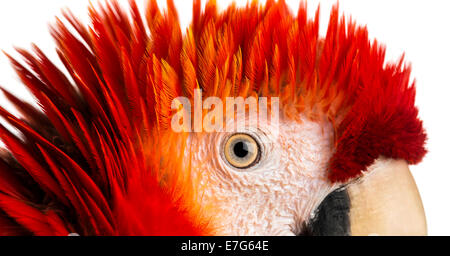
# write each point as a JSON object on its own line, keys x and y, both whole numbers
{"x": 385, "y": 202}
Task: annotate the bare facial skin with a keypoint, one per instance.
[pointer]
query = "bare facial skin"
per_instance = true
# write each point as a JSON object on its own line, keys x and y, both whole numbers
{"x": 278, "y": 193}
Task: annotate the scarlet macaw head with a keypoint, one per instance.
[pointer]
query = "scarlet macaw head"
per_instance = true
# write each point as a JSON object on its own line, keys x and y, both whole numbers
{"x": 102, "y": 157}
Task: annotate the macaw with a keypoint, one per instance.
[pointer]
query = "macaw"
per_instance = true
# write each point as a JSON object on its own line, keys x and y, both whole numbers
{"x": 99, "y": 157}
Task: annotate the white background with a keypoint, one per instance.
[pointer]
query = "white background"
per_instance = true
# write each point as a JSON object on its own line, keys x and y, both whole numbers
{"x": 419, "y": 28}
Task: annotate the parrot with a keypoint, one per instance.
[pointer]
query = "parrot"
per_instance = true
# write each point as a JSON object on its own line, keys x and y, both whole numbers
{"x": 97, "y": 155}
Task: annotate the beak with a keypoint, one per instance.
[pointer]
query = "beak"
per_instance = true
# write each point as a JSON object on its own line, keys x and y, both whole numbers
{"x": 384, "y": 202}
{"x": 387, "y": 202}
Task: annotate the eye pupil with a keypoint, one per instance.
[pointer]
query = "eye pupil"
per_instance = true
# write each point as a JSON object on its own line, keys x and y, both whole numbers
{"x": 240, "y": 149}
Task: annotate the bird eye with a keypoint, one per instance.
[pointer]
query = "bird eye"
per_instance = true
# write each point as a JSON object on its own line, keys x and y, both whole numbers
{"x": 242, "y": 151}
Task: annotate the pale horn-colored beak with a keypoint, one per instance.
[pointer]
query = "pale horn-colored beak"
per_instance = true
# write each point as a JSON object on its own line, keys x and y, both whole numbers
{"x": 386, "y": 202}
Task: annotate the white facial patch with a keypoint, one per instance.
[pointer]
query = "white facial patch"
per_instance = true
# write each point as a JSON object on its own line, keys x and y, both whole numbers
{"x": 280, "y": 192}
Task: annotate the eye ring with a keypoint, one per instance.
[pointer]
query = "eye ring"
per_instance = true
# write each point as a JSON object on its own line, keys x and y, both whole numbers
{"x": 242, "y": 151}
